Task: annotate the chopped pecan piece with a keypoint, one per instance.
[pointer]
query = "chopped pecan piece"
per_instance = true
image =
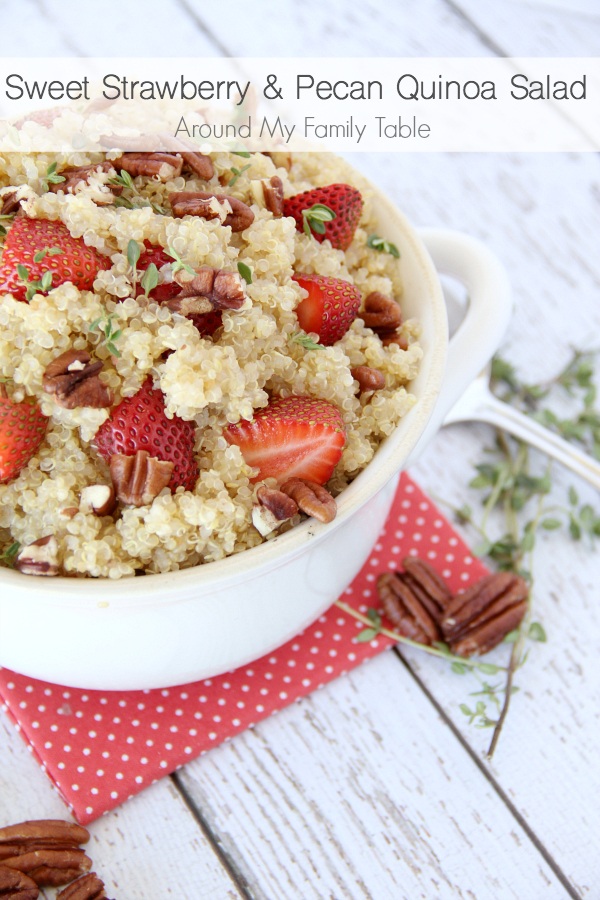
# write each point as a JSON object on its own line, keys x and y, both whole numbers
{"x": 384, "y": 317}
{"x": 479, "y": 618}
{"x": 394, "y": 337}
{"x": 200, "y": 165}
{"x": 273, "y": 508}
{"x": 273, "y": 195}
{"x": 52, "y": 867}
{"x": 10, "y": 204}
{"x": 90, "y": 887}
{"x": 217, "y": 288}
{"x": 199, "y": 203}
{"x": 73, "y": 379}
{"x": 368, "y": 379}
{"x": 39, "y": 558}
{"x": 139, "y": 479}
{"x": 81, "y": 175}
{"x": 312, "y": 498}
{"x": 98, "y": 499}
{"x": 165, "y": 166}
{"x": 404, "y": 609}
{"x": 17, "y": 886}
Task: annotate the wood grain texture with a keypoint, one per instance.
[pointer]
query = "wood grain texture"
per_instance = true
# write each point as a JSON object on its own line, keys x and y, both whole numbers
{"x": 360, "y": 791}
{"x": 149, "y": 848}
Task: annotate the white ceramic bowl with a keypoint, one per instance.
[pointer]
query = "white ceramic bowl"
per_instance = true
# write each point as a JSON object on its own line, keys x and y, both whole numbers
{"x": 170, "y": 629}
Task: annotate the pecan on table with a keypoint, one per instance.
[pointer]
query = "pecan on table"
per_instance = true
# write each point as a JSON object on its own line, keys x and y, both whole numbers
{"x": 430, "y": 588}
{"x": 139, "y": 479}
{"x": 17, "y": 886}
{"x": 39, "y": 558}
{"x": 52, "y": 867}
{"x": 384, "y": 317}
{"x": 90, "y": 887}
{"x": 200, "y": 165}
{"x": 312, "y": 498}
{"x": 10, "y": 204}
{"x": 273, "y": 508}
{"x": 481, "y": 617}
{"x": 165, "y": 166}
{"x": 199, "y": 203}
{"x": 81, "y": 175}
{"x": 41, "y": 834}
{"x": 73, "y": 379}
{"x": 404, "y": 609}
{"x": 368, "y": 379}
{"x": 207, "y": 290}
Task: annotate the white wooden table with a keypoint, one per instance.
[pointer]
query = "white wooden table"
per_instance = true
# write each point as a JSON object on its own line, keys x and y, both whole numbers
{"x": 375, "y": 787}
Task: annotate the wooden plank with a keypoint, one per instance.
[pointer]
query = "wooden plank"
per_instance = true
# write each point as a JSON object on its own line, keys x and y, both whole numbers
{"x": 522, "y": 28}
{"x": 361, "y": 791}
{"x": 151, "y": 847}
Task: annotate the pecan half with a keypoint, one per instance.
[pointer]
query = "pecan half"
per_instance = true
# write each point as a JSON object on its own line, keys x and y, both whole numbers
{"x": 368, "y": 379}
{"x": 273, "y": 195}
{"x": 51, "y": 868}
{"x": 404, "y": 609}
{"x": 383, "y": 316}
{"x": 393, "y": 337}
{"x": 200, "y": 165}
{"x": 429, "y": 587}
{"x": 198, "y": 203}
{"x": 73, "y": 379}
{"x": 479, "y": 618}
{"x": 39, "y": 558}
{"x": 47, "y": 831}
{"x": 98, "y": 499}
{"x": 273, "y": 508}
{"x": 217, "y": 288}
{"x": 17, "y": 886}
{"x": 312, "y": 498}
{"x": 10, "y": 204}
{"x": 165, "y": 166}
{"x": 139, "y": 479}
{"x": 90, "y": 887}
{"x": 81, "y": 175}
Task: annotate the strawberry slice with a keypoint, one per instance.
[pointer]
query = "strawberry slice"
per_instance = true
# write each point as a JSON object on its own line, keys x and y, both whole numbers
{"x": 45, "y": 248}
{"x": 342, "y": 199}
{"x": 207, "y": 323}
{"x": 22, "y": 430}
{"x": 295, "y": 437}
{"x": 330, "y": 308}
{"x": 140, "y": 423}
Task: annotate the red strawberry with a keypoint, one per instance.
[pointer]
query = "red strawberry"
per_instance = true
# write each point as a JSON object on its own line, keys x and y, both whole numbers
{"x": 343, "y": 200}
{"x": 22, "y": 430}
{"x": 140, "y": 423}
{"x": 330, "y": 308}
{"x": 43, "y": 117}
{"x": 206, "y": 324}
{"x": 297, "y": 437}
{"x": 30, "y": 237}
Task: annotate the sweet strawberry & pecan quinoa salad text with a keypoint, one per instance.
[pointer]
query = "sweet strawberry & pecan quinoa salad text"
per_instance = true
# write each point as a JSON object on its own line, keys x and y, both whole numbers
{"x": 195, "y": 353}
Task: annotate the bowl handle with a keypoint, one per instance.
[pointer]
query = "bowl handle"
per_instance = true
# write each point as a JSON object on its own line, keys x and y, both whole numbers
{"x": 481, "y": 331}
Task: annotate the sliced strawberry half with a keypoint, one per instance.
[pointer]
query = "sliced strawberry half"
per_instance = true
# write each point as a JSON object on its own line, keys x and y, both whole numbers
{"x": 295, "y": 437}
{"x": 342, "y": 199}
{"x": 330, "y": 308}
{"x": 41, "y": 246}
{"x": 22, "y": 430}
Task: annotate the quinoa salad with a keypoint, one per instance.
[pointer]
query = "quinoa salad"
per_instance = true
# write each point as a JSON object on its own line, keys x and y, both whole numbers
{"x": 190, "y": 305}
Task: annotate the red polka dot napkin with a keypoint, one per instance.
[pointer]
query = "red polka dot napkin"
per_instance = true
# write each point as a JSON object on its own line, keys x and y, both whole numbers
{"x": 99, "y": 748}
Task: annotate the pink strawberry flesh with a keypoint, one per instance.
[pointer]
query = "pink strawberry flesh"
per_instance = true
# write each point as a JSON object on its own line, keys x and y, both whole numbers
{"x": 140, "y": 423}
{"x": 330, "y": 308}
{"x": 296, "y": 437}
{"x": 344, "y": 200}
{"x": 22, "y": 430}
{"x": 76, "y": 262}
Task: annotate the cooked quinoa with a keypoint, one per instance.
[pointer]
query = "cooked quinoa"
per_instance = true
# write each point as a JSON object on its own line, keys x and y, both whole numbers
{"x": 211, "y": 383}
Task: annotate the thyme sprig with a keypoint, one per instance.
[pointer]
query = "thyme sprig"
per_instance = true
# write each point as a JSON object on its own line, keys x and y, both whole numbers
{"x": 124, "y": 180}
{"x": 50, "y": 178}
{"x": 106, "y": 324}
{"x": 9, "y": 554}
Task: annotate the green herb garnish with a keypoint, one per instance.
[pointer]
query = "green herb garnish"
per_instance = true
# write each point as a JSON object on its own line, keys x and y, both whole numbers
{"x": 51, "y": 177}
{"x": 179, "y": 263}
{"x": 237, "y": 173}
{"x": 378, "y": 243}
{"x": 9, "y": 554}
{"x": 245, "y": 272}
{"x": 149, "y": 279}
{"x": 105, "y": 324}
{"x": 43, "y": 285}
{"x": 299, "y": 337}
{"x": 124, "y": 180}
{"x": 315, "y": 218}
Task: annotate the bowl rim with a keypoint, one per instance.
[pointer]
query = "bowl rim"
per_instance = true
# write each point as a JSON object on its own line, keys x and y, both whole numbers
{"x": 251, "y": 563}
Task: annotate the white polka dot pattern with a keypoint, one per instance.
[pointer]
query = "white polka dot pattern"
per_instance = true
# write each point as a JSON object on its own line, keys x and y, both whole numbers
{"x": 99, "y": 748}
